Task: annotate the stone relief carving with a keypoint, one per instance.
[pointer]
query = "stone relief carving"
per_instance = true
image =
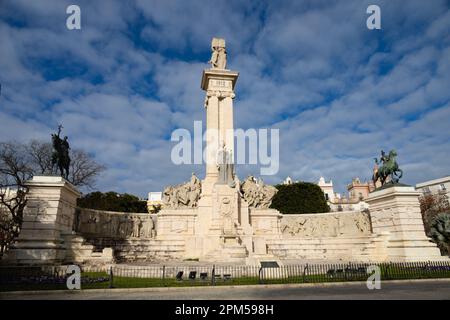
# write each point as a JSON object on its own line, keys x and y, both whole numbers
{"x": 114, "y": 225}
{"x": 183, "y": 195}
{"x": 226, "y": 211}
{"x": 326, "y": 225}
{"x": 137, "y": 225}
{"x": 179, "y": 226}
{"x": 149, "y": 230}
{"x": 265, "y": 226}
{"x": 256, "y": 193}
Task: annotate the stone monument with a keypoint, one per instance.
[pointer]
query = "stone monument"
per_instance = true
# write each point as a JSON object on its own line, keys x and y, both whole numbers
{"x": 216, "y": 222}
{"x": 395, "y": 213}
{"x": 221, "y": 219}
{"x": 47, "y": 235}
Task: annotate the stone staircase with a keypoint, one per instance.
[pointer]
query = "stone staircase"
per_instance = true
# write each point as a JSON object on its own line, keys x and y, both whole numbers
{"x": 228, "y": 252}
{"x": 131, "y": 250}
{"x": 331, "y": 248}
{"x": 79, "y": 251}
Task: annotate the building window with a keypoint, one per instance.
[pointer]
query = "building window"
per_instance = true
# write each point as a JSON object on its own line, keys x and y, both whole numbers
{"x": 443, "y": 188}
{"x": 426, "y": 190}
{"x": 326, "y": 196}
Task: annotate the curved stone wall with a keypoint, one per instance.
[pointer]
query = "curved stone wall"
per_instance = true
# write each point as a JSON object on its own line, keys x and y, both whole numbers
{"x": 333, "y": 224}
{"x": 115, "y": 225}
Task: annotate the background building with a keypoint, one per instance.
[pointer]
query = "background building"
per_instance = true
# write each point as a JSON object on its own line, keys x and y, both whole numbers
{"x": 441, "y": 185}
{"x": 357, "y": 193}
{"x": 327, "y": 188}
{"x": 358, "y": 190}
{"x": 154, "y": 202}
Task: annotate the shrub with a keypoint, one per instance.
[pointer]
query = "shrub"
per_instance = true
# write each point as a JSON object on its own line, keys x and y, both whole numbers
{"x": 301, "y": 197}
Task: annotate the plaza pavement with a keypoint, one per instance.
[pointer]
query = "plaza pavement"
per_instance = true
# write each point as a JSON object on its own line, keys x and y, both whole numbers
{"x": 438, "y": 289}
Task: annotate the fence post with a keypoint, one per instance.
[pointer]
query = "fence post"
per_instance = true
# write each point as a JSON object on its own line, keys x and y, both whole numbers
{"x": 259, "y": 275}
{"x": 164, "y": 276}
{"x": 388, "y": 267}
{"x": 304, "y": 273}
{"x": 111, "y": 277}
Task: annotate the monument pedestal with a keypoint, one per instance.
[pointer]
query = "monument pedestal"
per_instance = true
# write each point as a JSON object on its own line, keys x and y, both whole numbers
{"x": 395, "y": 214}
{"x": 223, "y": 236}
{"x": 47, "y": 218}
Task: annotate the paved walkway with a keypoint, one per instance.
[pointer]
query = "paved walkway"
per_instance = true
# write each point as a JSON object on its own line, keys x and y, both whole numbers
{"x": 417, "y": 289}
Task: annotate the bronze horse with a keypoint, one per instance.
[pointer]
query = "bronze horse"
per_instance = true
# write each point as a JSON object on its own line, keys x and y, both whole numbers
{"x": 60, "y": 156}
{"x": 389, "y": 168}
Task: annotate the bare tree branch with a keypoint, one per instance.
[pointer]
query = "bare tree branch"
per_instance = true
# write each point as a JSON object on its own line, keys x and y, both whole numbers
{"x": 83, "y": 169}
{"x": 15, "y": 169}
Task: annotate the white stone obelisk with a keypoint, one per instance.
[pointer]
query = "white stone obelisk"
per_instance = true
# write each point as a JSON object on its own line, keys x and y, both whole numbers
{"x": 218, "y": 83}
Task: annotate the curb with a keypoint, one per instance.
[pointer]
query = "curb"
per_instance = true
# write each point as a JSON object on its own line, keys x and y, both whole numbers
{"x": 255, "y": 286}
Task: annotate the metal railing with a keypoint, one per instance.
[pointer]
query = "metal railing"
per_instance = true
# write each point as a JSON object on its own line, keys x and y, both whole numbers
{"x": 126, "y": 276}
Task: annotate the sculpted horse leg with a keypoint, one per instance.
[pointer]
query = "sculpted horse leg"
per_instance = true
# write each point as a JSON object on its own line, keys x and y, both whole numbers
{"x": 401, "y": 173}
{"x": 61, "y": 169}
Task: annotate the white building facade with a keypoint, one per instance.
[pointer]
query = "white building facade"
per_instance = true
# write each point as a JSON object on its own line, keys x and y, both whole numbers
{"x": 441, "y": 185}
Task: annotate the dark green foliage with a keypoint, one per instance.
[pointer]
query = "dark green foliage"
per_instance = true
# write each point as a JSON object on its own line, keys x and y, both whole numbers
{"x": 440, "y": 231}
{"x": 113, "y": 201}
{"x": 301, "y": 197}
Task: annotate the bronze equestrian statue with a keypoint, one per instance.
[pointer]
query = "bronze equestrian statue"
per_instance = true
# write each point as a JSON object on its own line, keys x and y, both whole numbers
{"x": 60, "y": 156}
{"x": 389, "y": 168}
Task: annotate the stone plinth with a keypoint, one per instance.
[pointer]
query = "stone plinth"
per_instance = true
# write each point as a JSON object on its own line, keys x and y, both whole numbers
{"x": 176, "y": 223}
{"x": 266, "y": 226}
{"x": 395, "y": 214}
{"x": 48, "y": 217}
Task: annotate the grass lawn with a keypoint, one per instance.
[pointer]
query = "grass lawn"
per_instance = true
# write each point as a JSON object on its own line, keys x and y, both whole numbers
{"x": 100, "y": 280}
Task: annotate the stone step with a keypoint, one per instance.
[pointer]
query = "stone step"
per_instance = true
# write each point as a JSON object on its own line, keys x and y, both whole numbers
{"x": 149, "y": 249}
{"x": 328, "y": 240}
{"x": 317, "y": 245}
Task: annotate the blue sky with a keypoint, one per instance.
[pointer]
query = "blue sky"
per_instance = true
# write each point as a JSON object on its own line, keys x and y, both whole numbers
{"x": 337, "y": 91}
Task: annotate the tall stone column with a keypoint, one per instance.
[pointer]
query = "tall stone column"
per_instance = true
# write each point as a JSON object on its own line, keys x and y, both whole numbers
{"x": 212, "y": 144}
{"x": 48, "y": 217}
{"x": 227, "y": 127}
{"x": 219, "y": 86}
{"x": 395, "y": 214}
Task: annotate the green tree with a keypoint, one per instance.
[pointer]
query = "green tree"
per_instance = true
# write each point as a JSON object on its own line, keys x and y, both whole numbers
{"x": 113, "y": 201}
{"x": 301, "y": 197}
{"x": 431, "y": 205}
{"x": 440, "y": 231}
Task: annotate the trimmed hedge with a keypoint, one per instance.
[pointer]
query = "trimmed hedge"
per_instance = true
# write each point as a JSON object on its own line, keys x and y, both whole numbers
{"x": 300, "y": 197}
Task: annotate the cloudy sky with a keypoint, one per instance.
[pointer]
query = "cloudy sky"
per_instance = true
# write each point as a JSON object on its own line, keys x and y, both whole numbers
{"x": 337, "y": 91}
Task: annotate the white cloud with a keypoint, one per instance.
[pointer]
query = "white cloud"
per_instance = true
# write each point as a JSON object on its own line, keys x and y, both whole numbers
{"x": 338, "y": 92}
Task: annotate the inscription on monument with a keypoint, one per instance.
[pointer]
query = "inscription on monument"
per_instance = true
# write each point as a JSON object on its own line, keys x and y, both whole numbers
{"x": 220, "y": 84}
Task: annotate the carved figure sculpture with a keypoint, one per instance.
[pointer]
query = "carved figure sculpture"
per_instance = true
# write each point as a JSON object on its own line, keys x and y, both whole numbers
{"x": 183, "y": 195}
{"x": 137, "y": 224}
{"x": 149, "y": 228}
{"x": 256, "y": 193}
{"x": 219, "y": 54}
{"x": 225, "y": 166}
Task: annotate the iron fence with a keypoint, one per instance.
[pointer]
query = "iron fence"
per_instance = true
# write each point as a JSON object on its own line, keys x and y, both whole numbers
{"x": 126, "y": 276}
